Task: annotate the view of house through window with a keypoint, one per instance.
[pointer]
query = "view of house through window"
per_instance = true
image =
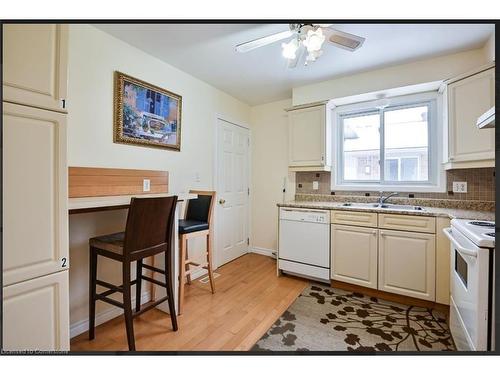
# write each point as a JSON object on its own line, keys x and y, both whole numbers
{"x": 386, "y": 145}
{"x": 362, "y": 147}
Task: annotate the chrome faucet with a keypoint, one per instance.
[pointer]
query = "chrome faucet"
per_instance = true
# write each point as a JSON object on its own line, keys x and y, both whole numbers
{"x": 382, "y": 199}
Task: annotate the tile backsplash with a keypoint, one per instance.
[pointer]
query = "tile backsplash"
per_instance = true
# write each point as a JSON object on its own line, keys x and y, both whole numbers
{"x": 480, "y": 185}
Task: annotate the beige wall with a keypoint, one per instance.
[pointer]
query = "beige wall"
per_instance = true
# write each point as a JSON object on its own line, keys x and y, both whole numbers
{"x": 428, "y": 70}
{"x": 93, "y": 57}
{"x": 489, "y": 48}
{"x": 269, "y": 169}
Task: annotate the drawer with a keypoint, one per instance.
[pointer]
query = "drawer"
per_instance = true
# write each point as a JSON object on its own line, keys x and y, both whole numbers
{"x": 363, "y": 219}
{"x": 412, "y": 223}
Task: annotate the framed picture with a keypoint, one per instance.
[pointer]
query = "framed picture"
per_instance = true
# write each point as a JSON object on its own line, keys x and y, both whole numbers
{"x": 145, "y": 114}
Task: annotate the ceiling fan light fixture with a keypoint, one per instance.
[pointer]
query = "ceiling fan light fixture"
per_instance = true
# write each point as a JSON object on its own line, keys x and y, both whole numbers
{"x": 313, "y": 56}
{"x": 289, "y": 50}
{"x": 308, "y": 37}
{"x": 314, "y": 40}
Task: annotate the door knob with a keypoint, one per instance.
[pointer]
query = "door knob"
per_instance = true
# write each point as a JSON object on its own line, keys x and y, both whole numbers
{"x": 222, "y": 201}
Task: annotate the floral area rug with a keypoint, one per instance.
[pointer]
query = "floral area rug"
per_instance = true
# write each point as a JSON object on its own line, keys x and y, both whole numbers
{"x": 329, "y": 319}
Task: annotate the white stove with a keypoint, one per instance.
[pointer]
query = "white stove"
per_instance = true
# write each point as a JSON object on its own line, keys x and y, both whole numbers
{"x": 472, "y": 244}
{"x": 482, "y": 233}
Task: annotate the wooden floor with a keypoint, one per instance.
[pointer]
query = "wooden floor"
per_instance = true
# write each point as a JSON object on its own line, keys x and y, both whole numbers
{"x": 249, "y": 298}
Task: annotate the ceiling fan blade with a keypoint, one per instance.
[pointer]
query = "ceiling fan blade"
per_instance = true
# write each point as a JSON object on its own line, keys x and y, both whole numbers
{"x": 298, "y": 56}
{"x": 341, "y": 39}
{"x": 260, "y": 42}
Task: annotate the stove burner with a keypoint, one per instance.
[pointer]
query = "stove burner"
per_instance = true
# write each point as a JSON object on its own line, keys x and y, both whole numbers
{"x": 482, "y": 224}
{"x": 490, "y": 234}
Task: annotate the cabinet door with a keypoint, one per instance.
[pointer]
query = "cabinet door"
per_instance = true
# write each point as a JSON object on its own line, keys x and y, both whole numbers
{"x": 467, "y": 100}
{"x": 36, "y": 314}
{"x": 307, "y": 137}
{"x": 407, "y": 263}
{"x": 35, "y": 64}
{"x": 354, "y": 255}
{"x": 35, "y": 215}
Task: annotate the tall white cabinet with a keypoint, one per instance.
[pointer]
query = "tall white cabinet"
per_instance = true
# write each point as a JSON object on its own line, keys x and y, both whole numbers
{"x": 35, "y": 216}
{"x": 35, "y": 65}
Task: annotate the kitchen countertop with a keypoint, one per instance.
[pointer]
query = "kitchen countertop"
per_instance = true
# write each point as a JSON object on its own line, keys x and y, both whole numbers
{"x": 451, "y": 213}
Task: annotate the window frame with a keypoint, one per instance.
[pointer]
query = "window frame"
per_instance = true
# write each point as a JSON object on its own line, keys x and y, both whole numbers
{"x": 435, "y": 182}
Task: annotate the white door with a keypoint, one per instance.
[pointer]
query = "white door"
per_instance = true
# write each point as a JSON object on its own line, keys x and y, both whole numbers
{"x": 232, "y": 191}
{"x": 407, "y": 262}
{"x": 354, "y": 255}
{"x": 35, "y": 64}
{"x": 36, "y": 314}
{"x": 35, "y": 213}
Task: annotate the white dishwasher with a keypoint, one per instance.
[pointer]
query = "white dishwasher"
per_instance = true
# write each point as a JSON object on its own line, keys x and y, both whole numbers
{"x": 304, "y": 243}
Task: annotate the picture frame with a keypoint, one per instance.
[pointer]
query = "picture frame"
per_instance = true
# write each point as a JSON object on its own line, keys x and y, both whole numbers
{"x": 145, "y": 114}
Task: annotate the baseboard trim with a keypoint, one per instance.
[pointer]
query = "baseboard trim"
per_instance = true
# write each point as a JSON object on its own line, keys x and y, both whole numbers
{"x": 102, "y": 317}
{"x": 263, "y": 251}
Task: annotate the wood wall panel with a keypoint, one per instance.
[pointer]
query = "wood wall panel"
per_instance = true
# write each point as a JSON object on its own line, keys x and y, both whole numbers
{"x": 98, "y": 182}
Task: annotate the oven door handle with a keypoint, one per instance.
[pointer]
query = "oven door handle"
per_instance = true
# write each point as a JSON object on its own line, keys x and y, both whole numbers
{"x": 458, "y": 247}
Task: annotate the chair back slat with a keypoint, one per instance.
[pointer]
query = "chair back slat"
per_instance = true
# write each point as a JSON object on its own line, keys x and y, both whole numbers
{"x": 200, "y": 209}
{"x": 150, "y": 224}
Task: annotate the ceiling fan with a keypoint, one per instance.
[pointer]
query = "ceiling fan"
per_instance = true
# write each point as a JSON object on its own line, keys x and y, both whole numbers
{"x": 305, "y": 37}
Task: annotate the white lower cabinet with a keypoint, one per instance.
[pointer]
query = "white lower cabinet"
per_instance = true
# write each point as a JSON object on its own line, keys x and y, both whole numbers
{"x": 406, "y": 264}
{"x": 354, "y": 259}
{"x": 36, "y": 314}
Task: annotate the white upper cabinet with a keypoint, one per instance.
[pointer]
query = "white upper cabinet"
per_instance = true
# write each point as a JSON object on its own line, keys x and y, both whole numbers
{"x": 35, "y": 216}
{"x": 468, "y": 98}
{"x": 35, "y": 65}
{"x": 309, "y": 138}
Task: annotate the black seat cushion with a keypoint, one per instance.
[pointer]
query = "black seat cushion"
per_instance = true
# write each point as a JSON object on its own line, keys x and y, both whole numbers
{"x": 189, "y": 226}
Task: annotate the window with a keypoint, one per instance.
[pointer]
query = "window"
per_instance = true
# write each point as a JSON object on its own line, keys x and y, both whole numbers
{"x": 391, "y": 147}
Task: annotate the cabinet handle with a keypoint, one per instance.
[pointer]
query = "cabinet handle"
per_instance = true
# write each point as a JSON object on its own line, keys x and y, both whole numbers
{"x": 374, "y": 232}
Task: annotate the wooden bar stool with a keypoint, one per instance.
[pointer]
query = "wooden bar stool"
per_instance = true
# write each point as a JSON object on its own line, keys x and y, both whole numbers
{"x": 149, "y": 231}
{"x": 196, "y": 223}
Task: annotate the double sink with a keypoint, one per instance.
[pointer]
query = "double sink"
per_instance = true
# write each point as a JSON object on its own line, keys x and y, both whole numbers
{"x": 387, "y": 206}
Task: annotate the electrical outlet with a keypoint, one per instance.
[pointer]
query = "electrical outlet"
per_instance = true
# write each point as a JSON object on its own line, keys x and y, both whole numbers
{"x": 146, "y": 185}
{"x": 459, "y": 187}
{"x": 315, "y": 185}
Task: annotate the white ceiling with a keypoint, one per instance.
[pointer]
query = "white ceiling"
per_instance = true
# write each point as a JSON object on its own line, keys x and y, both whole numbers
{"x": 207, "y": 52}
